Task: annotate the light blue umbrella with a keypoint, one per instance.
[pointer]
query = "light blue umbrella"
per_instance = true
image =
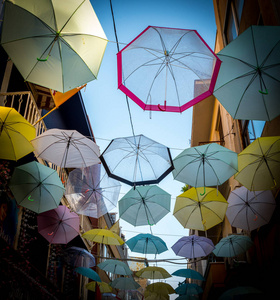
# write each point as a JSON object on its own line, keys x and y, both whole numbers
{"x": 124, "y": 283}
{"x": 233, "y": 245}
{"x": 147, "y": 244}
{"x": 189, "y": 289}
{"x": 144, "y": 205}
{"x": 36, "y": 187}
{"x": 115, "y": 266}
{"x": 233, "y": 293}
{"x": 188, "y": 273}
{"x": 87, "y": 272}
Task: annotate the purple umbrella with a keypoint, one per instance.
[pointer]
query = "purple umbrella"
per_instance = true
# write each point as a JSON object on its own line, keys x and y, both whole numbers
{"x": 58, "y": 226}
{"x": 193, "y": 246}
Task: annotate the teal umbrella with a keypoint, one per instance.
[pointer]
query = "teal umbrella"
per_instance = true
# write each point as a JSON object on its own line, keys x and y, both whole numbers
{"x": 115, "y": 266}
{"x": 124, "y": 283}
{"x": 233, "y": 245}
{"x": 189, "y": 289}
{"x": 36, "y": 187}
{"x": 206, "y": 165}
{"x": 87, "y": 272}
{"x": 144, "y": 205}
{"x": 147, "y": 244}
{"x": 233, "y": 293}
{"x": 248, "y": 82}
{"x": 188, "y": 273}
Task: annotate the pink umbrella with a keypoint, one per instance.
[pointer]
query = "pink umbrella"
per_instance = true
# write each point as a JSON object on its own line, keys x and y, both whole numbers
{"x": 167, "y": 69}
{"x": 59, "y": 225}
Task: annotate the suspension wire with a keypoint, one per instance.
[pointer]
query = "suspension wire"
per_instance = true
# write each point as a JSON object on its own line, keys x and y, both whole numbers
{"x": 115, "y": 31}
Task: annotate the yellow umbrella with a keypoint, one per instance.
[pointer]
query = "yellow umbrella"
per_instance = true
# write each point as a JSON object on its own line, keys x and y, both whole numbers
{"x": 195, "y": 209}
{"x": 103, "y": 286}
{"x": 153, "y": 273}
{"x": 259, "y": 164}
{"x": 15, "y": 134}
{"x": 103, "y": 236}
{"x": 160, "y": 289}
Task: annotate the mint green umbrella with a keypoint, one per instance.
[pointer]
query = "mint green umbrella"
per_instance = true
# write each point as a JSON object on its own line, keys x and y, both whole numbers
{"x": 115, "y": 266}
{"x": 144, "y": 205}
{"x": 36, "y": 187}
{"x": 56, "y": 44}
{"x": 248, "y": 83}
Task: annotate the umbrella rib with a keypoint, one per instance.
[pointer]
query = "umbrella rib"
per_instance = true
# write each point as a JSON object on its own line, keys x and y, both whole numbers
{"x": 175, "y": 83}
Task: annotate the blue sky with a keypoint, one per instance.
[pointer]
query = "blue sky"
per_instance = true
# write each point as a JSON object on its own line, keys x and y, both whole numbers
{"x": 107, "y": 107}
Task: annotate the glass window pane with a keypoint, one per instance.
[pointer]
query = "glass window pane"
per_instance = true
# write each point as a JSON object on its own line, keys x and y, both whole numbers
{"x": 230, "y": 30}
{"x": 238, "y": 7}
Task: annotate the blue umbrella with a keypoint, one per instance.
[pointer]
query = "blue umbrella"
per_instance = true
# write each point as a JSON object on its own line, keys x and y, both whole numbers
{"x": 147, "y": 244}
{"x": 87, "y": 272}
{"x": 188, "y": 273}
{"x": 188, "y": 289}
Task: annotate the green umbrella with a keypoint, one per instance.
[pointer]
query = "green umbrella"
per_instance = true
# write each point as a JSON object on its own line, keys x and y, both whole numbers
{"x": 233, "y": 245}
{"x": 248, "y": 82}
{"x": 115, "y": 266}
{"x": 36, "y": 187}
{"x": 54, "y": 44}
{"x": 144, "y": 205}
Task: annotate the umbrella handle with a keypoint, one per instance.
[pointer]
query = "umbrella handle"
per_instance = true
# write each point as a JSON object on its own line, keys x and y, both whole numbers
{"x": 45, "y": 59}
{"x": 264, "y": 93}
{"x": 203, "y": 192}
{"x": 164, "y": 107}
{"x": 149, "y": 222}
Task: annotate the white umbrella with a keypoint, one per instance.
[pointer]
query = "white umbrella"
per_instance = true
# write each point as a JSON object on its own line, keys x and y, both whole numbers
{"x": 66, "y": 148}
{"x": 250, "y": 210}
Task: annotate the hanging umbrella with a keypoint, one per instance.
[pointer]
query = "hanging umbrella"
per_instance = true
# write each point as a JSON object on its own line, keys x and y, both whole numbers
{"x": 161, "y": 289}
{"x": 91, "y": 192}
{"x": 147, "y": 244}
{"x": 137, "y": 160}
{"x": 115, "y": 266}
{"x": 193, "y": 246}
{"x": 103, "y": 236}
{"x": 259, "y": 163}
{"x": 153, "y": 273}
{"x": 66, "y": 148}
{"x": 153, "y": 296}
{"x": 200, "y": 208}
{"x": 250, "y": 210}
{"x": 87, "y": 272}
{"x": 232, "y": 245}
{"x": 15, "y": 134}
{"x": 187, "y": 297}
{"x": 59, "y": 225}
{"x": 79, "y": 257}
{"x": 54, "y": 43}
{"x": 144, "y": 205}
{"x": 188, "y": 273}
{"x": 109, "y": 296}
{"x": 206, "y": 165}
{"x": 189, "y": 289}
{"x": 124, "y": 283}
{"x": 248, "y": 81}
{"x": 238, "y": 292}
{"x": 103, "y": 287}
{"x": 36, "y": 187}
{"x": 167, "y": 69}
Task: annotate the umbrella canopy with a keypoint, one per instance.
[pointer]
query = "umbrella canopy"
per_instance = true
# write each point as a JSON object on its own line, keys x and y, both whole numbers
{"x": 189, "y": 289}
{"x": 147, "y": 244}
{"x": 250, "y": 210}
{"x": 154, "y": 296}
{"x": 87, "y": 272}
{"x": 66, "y": 148}
{"x": 54, "y": 43}
{"x": 188, "y": 273}
{"x": 205, "y": 165}
{"x": 200, "y": 208}
{"x": 36, "y": 187}
{"x": 153, "y": 273}
{"x": 124, "y": 283}
{"x": 91, "y": 192}
{"x": 233, "y": 293}
{"x": 79, "y": 257}
{"x": 232, "y": 245}
{"x": 103, "y": 236}
{"x": 248, "y": 80}
{"x": 160, "y": 289}
{"x": 144, "y": 205}
{"x": 59, "y": 225}
{"x": 137, "y": 160}
{"x": 167, "y": 69}
{"x": 15, "y": 134}
{"x": 259, "y": 163}
{"x": 115, "y": 266}
{"x": 103, "y": 287}
{"x": 193, "y": 246}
